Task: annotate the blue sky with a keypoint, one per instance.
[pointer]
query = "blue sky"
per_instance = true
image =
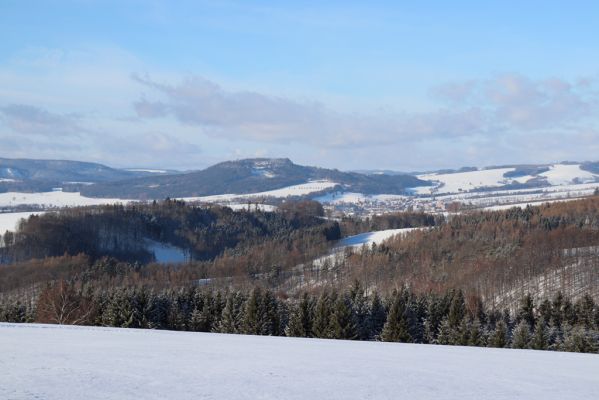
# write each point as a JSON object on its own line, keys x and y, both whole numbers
{"x": 353, "y": 85}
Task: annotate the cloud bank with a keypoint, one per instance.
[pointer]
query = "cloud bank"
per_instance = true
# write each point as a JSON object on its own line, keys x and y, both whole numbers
{"x": 506, "y": 105}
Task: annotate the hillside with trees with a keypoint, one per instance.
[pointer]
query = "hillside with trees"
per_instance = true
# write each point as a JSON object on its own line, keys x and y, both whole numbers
{"x": 524, "y": 278}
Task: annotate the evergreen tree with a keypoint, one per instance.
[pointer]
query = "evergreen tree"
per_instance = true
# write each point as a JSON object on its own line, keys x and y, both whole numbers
{"x": 228, "y": 322}
{"x": 545, "y": 311}
{"x": 526, "y": 310}
{"x": 498, "y": 337}
{"x": 300, "y": 320}
{"x": 377, "y": 316}
{"x": 342, "y": 324}
{"x": 585, "y": 309}
{"x": 557, "y": 311}
{"x": 320, "y": 327}
{"x": 445, "y": 333}
{"x": 576, "y": 339}
{"x": 540, "y": 339}
{"x": 396, "y": 328}
{"x": 359, "y": 307}
{"x": 270, "y": 315}
{"x": 521, "y": 336}
{"x": 457, "y": 310}
{"x": 476, "y": 336}
{"x": 253, "y": 322}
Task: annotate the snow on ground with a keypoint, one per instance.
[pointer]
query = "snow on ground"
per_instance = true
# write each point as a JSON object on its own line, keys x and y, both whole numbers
{"x": 54, "y": 362}
{"x": 524, "y": 205}
{"x": 558, "y": 174}
{"x": 295, "y": 190}
{"x": 465, "y": 181}
{"x": 368, "y": 238}
{"x": 9, "y": 221}
{"x": 357, "y": 241}
{"x": 52, "y": 199}
{"x": 564, "y": 174}
{"x": 165, "y": 253}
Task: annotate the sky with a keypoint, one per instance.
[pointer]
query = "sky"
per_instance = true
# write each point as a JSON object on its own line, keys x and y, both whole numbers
{"x": 407, "y": 86}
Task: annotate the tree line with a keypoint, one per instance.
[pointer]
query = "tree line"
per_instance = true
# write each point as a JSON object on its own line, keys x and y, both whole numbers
{"x": 450, "y": 318}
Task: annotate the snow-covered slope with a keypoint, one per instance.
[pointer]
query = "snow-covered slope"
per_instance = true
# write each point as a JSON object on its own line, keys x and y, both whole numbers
{"x": 566, "y": 174}
{"x": 295, "y": 190}
{"x": 52, "y": 199}
{"x": 368, "y": 238}
{"x": 558, "y": 174}
{"x": 58, "y": 362}
{"x": 465, "y": 181}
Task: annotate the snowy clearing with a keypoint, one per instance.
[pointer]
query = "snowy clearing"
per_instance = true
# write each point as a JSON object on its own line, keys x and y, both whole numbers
{"x": 52, "y": 199}
{"x": 357, "y": 241}
{"x": 9, "y": 221}
{"x": 64, "y": 362}
{"x": 368, "y": 238}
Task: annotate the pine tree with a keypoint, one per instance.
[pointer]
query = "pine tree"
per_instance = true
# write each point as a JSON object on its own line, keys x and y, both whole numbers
{"x": 252, "y": 322}
{"x": 359, "y": 307}
{"x": 228, "y": 322}
{"x": 445, "y": 333}
{"x": 540, "y": 338}
{"x": 498, "y": 337}
{"x": 377, "y": 316}
{"x": 545, "y": 311}
{"x": 557, "y": 311}
{"x": 300, "y": 320}
{"x": 270, "y": 315}
{"x": 320, "y": 327}
{"x": 396, "y": 328}
{"x": 526, "y": 310}
{"x": 476, "y": 336}
{"x": 342, "y": 324}
{"x": 585, "y": 309}
{"x": 521, "y": 336}
{"x": 457, "y": 310}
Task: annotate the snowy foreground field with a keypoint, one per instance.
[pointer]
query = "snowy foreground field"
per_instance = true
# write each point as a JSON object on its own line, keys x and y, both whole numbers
{"x": 53, "y": 362}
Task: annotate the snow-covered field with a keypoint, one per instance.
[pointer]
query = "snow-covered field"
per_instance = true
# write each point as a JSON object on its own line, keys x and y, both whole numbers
{"x": 558, "y": 174}
{"x": 9, "y": 221}
{"x": 52, "y": 199}
{"x": 368, "y": 238}
{"x": 59, "y": 362}
{"x": 295, "y": 190}
{"x": 464, "y": 181}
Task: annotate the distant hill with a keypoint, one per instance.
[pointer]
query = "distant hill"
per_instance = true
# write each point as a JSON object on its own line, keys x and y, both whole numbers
{"x": 248, "y": 176}
{"x": 43, "y": 175}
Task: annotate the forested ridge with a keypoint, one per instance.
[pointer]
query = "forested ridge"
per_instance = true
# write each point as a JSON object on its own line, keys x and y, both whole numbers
{"x": 122, "y": 231}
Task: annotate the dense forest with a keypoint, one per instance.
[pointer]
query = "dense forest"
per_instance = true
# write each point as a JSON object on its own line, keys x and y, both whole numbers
{"x": 124, "y": 231}
{"x": 449, "y": 318}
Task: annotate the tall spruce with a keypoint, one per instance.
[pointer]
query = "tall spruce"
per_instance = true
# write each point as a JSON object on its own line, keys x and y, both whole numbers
{"x": 396, "y": 328}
